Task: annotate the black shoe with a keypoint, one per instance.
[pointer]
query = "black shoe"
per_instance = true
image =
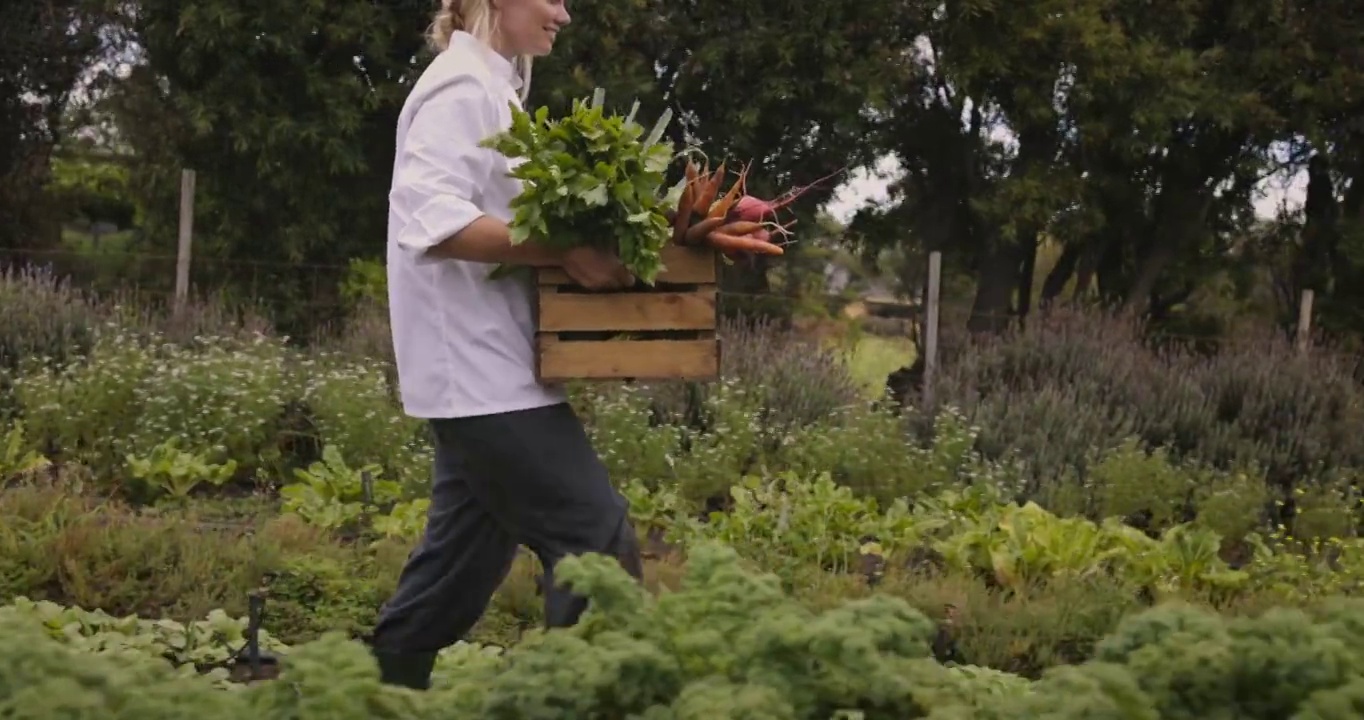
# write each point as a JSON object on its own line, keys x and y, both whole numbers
{"x": 409, "y": 670}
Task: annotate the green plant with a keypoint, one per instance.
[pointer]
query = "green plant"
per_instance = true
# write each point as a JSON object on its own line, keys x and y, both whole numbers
{"x": 17, "y": 458}
{"x": 221, "y": 397}
{"x": 592, "y": 178}
{"x": 871, "y": 451}
{"x": 173, "y": 471}
{"x": 365, "y": 281}
{"x": 791, "y": 521}
{"x": 351, "y": 405}
{"x": 202, "y": 647}
{"x": 728, "y": 643}
{"x": 330, "y": 494}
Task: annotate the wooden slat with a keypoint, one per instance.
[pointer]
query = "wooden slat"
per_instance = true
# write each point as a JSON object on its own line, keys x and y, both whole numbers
{"x": 567, "y": 312}
{"x": 683, "y": 266}
{"x": 562, "y": 361}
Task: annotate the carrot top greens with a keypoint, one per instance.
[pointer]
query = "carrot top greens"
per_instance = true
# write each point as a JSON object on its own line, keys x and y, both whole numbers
{"x": 592, "y": 177}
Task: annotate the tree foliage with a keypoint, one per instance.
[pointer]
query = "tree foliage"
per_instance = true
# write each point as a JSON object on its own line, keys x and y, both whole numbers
{"x": 45, "y": 48}
{"x": 1131, "y": 141}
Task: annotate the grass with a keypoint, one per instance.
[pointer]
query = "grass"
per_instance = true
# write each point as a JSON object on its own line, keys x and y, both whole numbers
{"x": 874, "y": 357}
{"x": 61, "y": 543}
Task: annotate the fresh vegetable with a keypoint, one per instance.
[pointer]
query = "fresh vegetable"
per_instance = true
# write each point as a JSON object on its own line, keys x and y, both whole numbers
{"x": 725, "y": 241}
{"x": 593, "y": 178}
{"x": 684, "y": 210}
{"x": 735, "y": 223}
{"x": 698, "y": 232}
{"x": 709, "y": 187}
{"x": 721, "y": 209}
{"x": 758, "y": 210}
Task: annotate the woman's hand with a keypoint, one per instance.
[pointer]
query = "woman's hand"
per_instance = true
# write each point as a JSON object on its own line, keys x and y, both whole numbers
{"x": 596, "y": 269}
{"x": 487, "y": 240}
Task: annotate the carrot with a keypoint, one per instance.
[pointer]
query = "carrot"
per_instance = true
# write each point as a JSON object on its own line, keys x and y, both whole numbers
{"x": 710, "y": 185}
{"x": 698, "y": 232}
{"x": 740, "y": 227}
{"x": 724, "y": 241}
{"x": 721, "y": 208}
{"x": 683, "y": 214}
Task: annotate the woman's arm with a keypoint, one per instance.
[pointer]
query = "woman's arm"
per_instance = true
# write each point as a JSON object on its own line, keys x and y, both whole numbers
{"x": 438, "y": 175}
{"x": 488, "y": 240}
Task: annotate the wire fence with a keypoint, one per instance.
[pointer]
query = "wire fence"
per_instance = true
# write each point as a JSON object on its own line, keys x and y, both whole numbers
{"x": 279, "y": 290}
{"x": 88, "y": 267}
{"x": 308, "y": 297}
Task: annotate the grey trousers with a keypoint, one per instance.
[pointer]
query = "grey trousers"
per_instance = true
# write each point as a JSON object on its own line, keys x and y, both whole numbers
{"x": 501, "y": 481}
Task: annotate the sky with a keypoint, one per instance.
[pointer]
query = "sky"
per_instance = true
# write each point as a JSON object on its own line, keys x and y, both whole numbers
{"x": 864, "y": 187}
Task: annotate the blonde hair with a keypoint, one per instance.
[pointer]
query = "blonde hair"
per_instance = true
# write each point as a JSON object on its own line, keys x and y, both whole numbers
{"x": 475, "y": 17}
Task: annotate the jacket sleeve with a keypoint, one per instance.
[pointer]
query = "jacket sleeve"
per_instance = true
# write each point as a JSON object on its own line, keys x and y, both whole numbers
{"x": 441, "y": 169}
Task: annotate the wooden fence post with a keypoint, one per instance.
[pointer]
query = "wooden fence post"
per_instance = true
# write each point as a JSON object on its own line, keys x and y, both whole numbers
{"x": 1305, "y": 320}
{"x": 931, "y": 326}
{"x": 182, "y": 255}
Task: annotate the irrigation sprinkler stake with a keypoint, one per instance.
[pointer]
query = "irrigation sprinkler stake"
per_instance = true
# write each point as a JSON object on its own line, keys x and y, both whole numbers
{"x": 254, "y": 658}
{"x": 257, "y": 610}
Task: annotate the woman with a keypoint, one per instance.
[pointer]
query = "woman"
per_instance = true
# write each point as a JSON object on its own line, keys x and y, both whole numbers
{"x": 513, "y": 463}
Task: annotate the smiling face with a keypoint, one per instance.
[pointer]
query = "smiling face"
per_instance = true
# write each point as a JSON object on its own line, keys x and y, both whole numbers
{"x": 528, "y": 27}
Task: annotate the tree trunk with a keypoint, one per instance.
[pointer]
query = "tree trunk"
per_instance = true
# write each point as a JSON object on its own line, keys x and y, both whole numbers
{"x": 1312, "y": 267}
{"x": 1181, "y": 217}
{"x": 1029, "y": 251}
{"x": 996, "y": 279}
{"x": 1060, "y": 274}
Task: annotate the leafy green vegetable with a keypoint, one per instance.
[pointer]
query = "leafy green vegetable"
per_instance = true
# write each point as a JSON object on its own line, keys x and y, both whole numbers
{"x": 592, "y": 178}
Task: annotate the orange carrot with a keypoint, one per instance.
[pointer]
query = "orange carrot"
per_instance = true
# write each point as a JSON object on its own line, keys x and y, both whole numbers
{"x": 698, "y": 232}
{"x": 710, "y": 185}
{"x": 740, "y": 227}
{"x": 721, "y": 208}
{"x": 683, "y": 214}
{"x": 723, "y": 241}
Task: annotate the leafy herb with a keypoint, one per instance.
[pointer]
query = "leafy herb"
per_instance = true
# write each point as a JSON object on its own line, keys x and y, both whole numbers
{"x": 592, "y": 178}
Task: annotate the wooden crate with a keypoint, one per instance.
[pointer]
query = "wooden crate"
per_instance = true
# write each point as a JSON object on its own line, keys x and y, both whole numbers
{"x": 663, "y": 332}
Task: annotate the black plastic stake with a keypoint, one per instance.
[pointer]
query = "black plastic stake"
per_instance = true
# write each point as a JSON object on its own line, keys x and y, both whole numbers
{"x": 257, "y": 612}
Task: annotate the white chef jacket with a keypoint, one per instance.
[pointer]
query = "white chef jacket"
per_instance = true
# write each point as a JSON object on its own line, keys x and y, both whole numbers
{"x": 464, "y": 344}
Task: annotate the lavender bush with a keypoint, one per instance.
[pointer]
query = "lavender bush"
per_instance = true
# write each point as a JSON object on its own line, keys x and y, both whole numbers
{"x": 43, "y": 316}
{"x": 792, "y": 380}
{"x": 1073, "y": 381}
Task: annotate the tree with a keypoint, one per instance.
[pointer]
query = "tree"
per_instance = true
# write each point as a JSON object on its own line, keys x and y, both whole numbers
{"x": 45, "y": 48}
{"x": 286, "y": 111}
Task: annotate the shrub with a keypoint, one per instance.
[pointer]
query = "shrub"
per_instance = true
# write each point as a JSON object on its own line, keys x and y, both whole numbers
{"x": 61, "y": 546}
{"x": 870, "y": 451}
{"x": 788, "y": 379}
{"x": 350, "y": 404}
{"x": 1073, "y": 381}
{"x": 42, "y": 317}
{"x": 220, "y": 398}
